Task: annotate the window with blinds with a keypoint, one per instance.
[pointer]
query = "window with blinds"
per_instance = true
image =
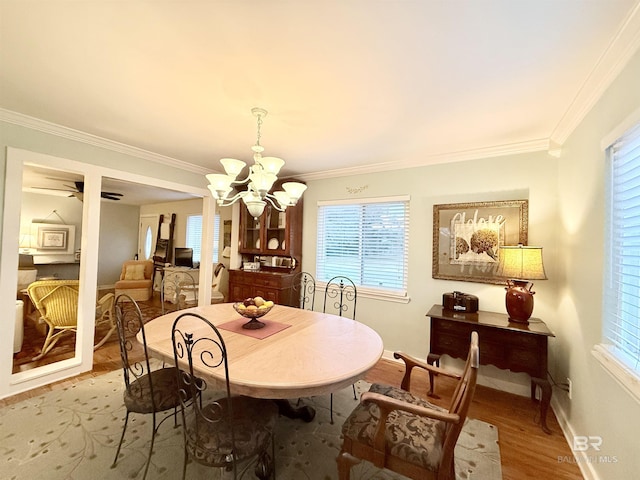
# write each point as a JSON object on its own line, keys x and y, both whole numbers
{"x": 194, "y": 236}
{"x": 367, "y": 241}
{"x": 622, "y": 269}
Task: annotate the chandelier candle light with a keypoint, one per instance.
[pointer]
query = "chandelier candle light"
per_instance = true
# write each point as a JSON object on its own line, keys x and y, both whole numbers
{"x": 520, "y": 265}
{"x": 262, "y": 175}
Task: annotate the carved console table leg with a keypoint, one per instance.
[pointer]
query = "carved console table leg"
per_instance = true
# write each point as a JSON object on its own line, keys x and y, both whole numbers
{"x": 545, "y": 400}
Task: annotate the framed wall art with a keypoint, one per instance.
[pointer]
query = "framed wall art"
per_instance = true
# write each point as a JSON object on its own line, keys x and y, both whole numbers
{"x": 53, "y": 239}
{"x": 467, "y": 238}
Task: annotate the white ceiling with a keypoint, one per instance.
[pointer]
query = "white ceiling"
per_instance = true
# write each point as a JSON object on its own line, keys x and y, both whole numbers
{"x": 349, "y": 85}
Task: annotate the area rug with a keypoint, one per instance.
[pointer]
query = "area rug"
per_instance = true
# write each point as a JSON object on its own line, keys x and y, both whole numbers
{"x": 73, "y": 432}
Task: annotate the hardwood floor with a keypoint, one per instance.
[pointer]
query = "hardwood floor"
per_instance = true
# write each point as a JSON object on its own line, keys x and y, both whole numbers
{"x": 526, "y": 451}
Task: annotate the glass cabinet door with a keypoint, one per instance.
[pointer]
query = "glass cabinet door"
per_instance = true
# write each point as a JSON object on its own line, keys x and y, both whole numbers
{"x": 276, "y": 226}
{"x": 251, "y": 230}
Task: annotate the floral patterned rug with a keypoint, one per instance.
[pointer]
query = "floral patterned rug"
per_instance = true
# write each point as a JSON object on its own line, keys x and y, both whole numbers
{"x": 73, "y": 432}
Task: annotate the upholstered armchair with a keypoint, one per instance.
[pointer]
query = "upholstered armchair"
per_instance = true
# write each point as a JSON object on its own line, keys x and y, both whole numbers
{"x": 401, "y": 432}
{"x": 136, "y": 280}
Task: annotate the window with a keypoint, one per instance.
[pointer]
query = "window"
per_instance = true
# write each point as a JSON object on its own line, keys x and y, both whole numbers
{"x": 621, "y": 315}
{"x": 194, "y": 236}
{"x": 367, "y": 241}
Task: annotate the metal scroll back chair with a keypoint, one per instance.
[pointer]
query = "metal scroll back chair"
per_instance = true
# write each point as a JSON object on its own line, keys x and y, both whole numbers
{"x": 147, "y": 391}
{"x": 179, "y": 289}
{"x": 220, "y": 430}
{"x": 303, "y": 287}
{"x": 342, "y": 295}
{"x": 399, "y": 431}
{"x": 57, "y": 304}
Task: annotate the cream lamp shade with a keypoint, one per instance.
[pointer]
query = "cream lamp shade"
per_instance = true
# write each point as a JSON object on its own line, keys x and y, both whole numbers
{"x": 521, "y": 263}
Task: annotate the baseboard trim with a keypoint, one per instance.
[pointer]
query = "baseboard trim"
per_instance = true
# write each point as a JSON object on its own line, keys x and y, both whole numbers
{"x": 581, "y": 458}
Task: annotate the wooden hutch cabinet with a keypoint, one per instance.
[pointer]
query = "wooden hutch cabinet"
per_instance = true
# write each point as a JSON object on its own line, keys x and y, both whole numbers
{"x": 274, "y": 240}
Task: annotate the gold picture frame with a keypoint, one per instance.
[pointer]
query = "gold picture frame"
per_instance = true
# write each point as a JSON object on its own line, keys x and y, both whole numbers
{"x": 467, "y": 237}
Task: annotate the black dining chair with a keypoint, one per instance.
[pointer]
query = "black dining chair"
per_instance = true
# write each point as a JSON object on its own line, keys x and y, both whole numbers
{"x": 220, "y": 430}
{"x": 147, "y": 391}
{"x": 303, "y": 287}
{"x": 340, "y": 298}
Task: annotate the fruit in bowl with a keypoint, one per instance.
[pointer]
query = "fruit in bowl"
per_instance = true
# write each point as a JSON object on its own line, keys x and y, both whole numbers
{"x": 254, "y": 307}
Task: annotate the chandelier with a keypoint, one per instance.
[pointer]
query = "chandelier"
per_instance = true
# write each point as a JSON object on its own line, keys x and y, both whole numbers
{"x": 262, "y": 175}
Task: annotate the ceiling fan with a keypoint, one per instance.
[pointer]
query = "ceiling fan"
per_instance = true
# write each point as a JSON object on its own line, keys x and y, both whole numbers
{"x": 77, "y": 190}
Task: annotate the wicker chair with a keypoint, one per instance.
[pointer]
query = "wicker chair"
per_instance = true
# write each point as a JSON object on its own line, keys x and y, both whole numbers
{"x": 396, "y": 430}
{"x": 220, "y": 430}
{"x": 105, "y": 315}
{"x": 147, "y": 391}
{"x": 57, "y": 304}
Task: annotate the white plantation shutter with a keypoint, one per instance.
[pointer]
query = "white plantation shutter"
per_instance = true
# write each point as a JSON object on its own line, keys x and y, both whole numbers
{"x": 365, "y": 240}
{"x": 194, "y": 236}
{"x": 622, "y": 275}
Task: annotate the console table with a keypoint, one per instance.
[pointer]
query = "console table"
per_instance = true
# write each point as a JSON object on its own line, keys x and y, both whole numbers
{"x": 514, "y": 346}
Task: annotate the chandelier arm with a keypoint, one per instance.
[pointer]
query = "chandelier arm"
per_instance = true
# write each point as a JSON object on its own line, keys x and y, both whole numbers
{"x": 275, "y": 204}
{"x": 230, "y": 201}
{"x": 242, "y": 182}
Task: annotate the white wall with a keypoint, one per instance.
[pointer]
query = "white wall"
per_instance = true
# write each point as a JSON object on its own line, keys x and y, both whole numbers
{"x": 599, "y": 406}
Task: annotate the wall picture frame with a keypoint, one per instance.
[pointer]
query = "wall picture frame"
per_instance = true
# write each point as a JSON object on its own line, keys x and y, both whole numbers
{"x": 53, "y": 239}
{"x": 467, "y": 238}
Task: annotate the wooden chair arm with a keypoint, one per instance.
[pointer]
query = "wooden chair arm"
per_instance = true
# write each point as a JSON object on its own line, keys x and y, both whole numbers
{"x": 411, "y": 362}
{"x": 387, "y": 405}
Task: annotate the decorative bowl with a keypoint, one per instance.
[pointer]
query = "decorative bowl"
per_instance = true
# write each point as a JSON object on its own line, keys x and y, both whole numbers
{"x": 252, "y": 313}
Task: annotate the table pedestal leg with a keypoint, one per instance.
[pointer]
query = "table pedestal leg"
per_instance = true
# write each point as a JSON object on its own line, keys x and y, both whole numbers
{"x": 545, "y": 400}
{"x": 304, "y": 412}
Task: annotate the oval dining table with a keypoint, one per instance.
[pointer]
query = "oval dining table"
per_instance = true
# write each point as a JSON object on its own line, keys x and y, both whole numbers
{"x": 299, "y": 353}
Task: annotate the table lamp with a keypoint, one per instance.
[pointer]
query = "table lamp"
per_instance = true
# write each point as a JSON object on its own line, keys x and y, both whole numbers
{"x": 520, "y": 264}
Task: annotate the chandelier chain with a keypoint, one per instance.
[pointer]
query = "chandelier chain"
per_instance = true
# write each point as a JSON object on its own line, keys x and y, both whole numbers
{"x": 258, "y": 132}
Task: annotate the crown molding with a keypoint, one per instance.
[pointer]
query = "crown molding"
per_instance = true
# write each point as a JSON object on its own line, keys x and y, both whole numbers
{"x": 89, "y": 139}
{"x": 475, "y": 154}
{"x": 623, "y": 46}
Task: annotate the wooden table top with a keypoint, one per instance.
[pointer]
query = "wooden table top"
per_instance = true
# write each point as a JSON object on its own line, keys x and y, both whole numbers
{"x": 319, "y": 354}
